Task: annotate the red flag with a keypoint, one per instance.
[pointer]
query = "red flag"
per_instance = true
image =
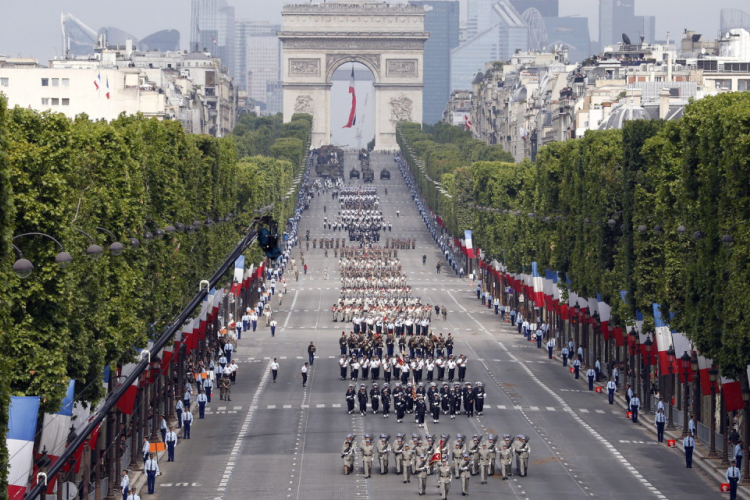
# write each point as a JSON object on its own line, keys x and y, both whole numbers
{"x": 467, "y": 123}
{"x": 435, "y": 458}
{"x": 353, "y": 113}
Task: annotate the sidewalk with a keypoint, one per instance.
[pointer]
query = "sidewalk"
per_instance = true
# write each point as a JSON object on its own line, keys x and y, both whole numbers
{"x": 712, "y": 467}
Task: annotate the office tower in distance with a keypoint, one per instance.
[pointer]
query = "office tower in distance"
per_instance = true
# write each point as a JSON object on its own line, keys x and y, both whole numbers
{"x": 502, "y": 33}
{"x": 441, "y": 20}
{"x": 258, "y": 63}
{"x": 212, "y": 29}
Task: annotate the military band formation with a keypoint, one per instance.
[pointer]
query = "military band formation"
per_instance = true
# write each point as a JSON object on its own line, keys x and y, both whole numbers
{"x": 435, "y": 456}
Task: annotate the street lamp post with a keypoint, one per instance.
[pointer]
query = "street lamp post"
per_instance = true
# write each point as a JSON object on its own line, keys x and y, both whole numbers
{"x": 713, "y": 374}
{"x": 696, "y": 386}
{"x": 648, "y": 345}
{"x": 685, "y": 365}
{"x": 156, "y": 421}
{"x": 746, "y": 463}
{"x": 670, "y": 360}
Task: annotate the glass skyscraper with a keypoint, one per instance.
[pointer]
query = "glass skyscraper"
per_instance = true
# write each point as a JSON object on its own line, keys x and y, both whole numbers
{"x": 258, "y": 62}
{"x": 212, "y": 29}
{"x": 441, "y": 20}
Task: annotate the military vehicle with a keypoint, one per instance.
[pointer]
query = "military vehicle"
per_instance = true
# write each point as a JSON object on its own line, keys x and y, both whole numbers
{"x": 385, "y": 174}
{"x": 329, "y": 162}
{"x": 354, "y": 174}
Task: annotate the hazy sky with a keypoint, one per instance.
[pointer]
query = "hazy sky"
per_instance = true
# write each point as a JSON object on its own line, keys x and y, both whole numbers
{"x": 32, "y": 28}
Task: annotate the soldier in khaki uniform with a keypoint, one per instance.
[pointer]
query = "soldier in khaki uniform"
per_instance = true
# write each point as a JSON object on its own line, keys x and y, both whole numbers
{"x": 457, "y": 454}
{"x": 484, "y": 461}
{"x": 226, "y": 388}
{"x": 523, "y": 456}
{"x": 506, "y": 461}
{"x": 408, "y": 455}
{"x": 398, "y": 453}
{"x": 347, "y": 454}
{"x": 383, "y": 450}
{"x": 368, "y": 452}
{"x": 421, "y": 469}
{"x": 444, "y": 478}
{"x": 492, "y": 446}
{"x": 465, "y": 469}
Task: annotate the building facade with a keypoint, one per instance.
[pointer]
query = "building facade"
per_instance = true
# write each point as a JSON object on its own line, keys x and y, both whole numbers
{"x": 617, "y": 17}
{"x": 194, "y": 88}
{"x": 441, "y": 21}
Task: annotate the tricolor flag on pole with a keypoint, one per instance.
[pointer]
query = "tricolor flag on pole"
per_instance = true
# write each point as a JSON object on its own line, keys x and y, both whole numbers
{"x": 468, "y": 243}
{"x": 22, "y": 418}
{"x": 107, "y": 87}
{"x": 538, "y": 284}
{"x": 98, "y": 81}
{"x": 467, "y": 123}
{"x": 353, "y": 113}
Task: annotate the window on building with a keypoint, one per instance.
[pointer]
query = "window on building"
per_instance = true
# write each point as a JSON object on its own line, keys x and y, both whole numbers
{"x": 723, "y": 84}
{"x": 45, "y": 101}
{"x": 45, "y": 82}
{"x": 55, "y": 82}
{"x": 741, "y": 85}
{"x": 55, "y": 101}
{"x": 66, "y": 101}
{"x": 4, "y": 82}
{"x": 66, "y": 82}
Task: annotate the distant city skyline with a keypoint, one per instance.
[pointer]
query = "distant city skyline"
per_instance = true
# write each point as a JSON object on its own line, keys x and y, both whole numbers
{"x": 36, "y": 32}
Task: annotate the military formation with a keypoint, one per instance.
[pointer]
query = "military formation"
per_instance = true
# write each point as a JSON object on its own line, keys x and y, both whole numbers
{"x": 414, "y": 398}
{"x": 437, "y": 457}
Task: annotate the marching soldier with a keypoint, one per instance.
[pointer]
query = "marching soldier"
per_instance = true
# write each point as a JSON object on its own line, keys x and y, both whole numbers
{"x": 444, "y": 478}
{"x": 474, "y": 454}
{"x": 385, "y": 398}
{"x": 347, "y": 454}
{"x": 464, "y": 467}
{"x": 492, "y": 446}
{"x": 506, "y": 461}
{"x": 362, "y": 398}
{"x": 522, "y": 454}
{"x": 479, "y": 396}
{"x": 400, "y": 405}
{"x": 408, "y": 458}
{"x": 421, "y": 470}
{"x": 343, "y": 364}
{"x": 350, "y": 395}
{"x": 420, "y": 410}
{"x": 484, "y": 462}
{"x": 226, "y": 385}
{"x": 367, "y": 454}
{"x": 398, "y": 453}
{"x": 383, "y": 450}
{"x": 457, "y": 454}
{"x": 375, "y": 398}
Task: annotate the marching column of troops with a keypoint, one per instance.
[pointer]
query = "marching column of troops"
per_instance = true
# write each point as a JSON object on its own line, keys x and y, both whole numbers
{"x": 435, "y": 456}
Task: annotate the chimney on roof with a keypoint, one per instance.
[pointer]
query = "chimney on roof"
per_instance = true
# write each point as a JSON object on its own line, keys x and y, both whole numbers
{"x": 663, "y": 103}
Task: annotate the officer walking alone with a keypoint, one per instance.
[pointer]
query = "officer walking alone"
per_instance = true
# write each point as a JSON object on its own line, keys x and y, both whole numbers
{"x": 152, "y": 469}
{"x": 304, "y": 375}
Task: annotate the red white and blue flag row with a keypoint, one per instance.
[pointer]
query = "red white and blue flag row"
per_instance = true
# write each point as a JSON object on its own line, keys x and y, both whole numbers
{"x": 543, "y": 290}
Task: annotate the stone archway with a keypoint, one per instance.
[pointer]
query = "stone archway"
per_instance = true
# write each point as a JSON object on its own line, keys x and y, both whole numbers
{"x": 388, "y": 39}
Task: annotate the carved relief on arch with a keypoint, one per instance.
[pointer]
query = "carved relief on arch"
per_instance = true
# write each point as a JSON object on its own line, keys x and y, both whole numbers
{"x": 333, "y": 61}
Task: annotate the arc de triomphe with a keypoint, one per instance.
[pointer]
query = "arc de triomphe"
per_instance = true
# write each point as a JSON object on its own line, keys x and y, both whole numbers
{"x": 317, "y": 38}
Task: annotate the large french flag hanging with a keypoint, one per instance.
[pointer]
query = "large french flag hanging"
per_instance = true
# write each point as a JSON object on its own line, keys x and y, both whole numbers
{"x": 23, "y": 413}
{"x": 663, "y": 339}
{"x": 126, "y": 403}
{"x": 353, "y": 113}
{"x": 469, "y": 244}
{"x": 57, "y": 426}
{"x": 732, "y": 390}
{"x": 239, "y": 275}
{"x": 538, "y": 284}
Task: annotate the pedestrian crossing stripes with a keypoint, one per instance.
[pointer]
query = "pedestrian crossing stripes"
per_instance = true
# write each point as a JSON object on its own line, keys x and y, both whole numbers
{"x": 219, "y": 410}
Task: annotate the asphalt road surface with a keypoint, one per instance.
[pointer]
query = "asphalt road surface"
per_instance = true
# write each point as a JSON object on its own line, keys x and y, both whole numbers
{"x": 280, "y": 441}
